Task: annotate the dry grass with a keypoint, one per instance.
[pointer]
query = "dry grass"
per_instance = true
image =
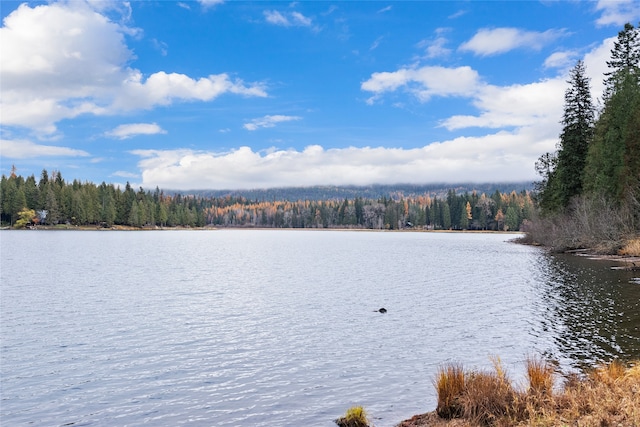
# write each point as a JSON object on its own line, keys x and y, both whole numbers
{"x": 449, "y": 385}
{"x": 540, "y": 375}
{"x": 607, "y": 396}
{"x": 356, "y": 416}
{"x": 487, "y": 398}
{"x": 631, "y": 248}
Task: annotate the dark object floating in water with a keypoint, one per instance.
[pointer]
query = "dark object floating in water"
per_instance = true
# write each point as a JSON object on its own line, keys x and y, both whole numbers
{"x": 382, "y": 310}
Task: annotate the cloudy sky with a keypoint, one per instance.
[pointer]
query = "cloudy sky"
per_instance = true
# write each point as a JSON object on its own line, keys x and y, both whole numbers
{"x": 233, "y": 94}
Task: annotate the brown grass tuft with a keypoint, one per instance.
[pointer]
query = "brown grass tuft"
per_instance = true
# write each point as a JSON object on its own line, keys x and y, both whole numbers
{"x": 487, "y": 398}
{"x": 450, "y": 383}
{"x": 540, "y": 376}
{"x": 631, "y": 248}
{"x": 609, "y": 395}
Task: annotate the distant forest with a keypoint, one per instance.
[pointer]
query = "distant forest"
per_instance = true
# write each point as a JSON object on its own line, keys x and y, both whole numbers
{"x": 50, "y": 200}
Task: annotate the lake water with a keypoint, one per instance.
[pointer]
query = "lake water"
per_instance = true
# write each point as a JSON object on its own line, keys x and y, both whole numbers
{"x": 277, "y": 328}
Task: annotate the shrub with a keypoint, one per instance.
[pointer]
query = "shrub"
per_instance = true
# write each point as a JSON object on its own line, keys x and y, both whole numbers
{"x": 588, "y": 223}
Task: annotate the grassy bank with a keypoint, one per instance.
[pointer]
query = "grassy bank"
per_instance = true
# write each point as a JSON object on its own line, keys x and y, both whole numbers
{"x": 608, "y": 395}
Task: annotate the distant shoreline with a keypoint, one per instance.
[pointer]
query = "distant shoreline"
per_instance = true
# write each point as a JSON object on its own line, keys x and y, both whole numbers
{"x": 219, "y": 228}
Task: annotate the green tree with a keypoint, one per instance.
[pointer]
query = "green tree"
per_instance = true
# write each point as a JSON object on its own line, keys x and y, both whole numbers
{"x": 613, "y": 154}
{"x": 51, "y": 206}
{"x": 107, "y": 206}
{"x": 577, "y": 132}
{"x": 31, "y": 192}
{"x": 446, "y": 216}
{"x": 13, "y": 198}
{"x": 547, "y": 188}
{"x": 625, "y": 58}
{"x": 511, "y": 220}
{"x": 134, "y": 217}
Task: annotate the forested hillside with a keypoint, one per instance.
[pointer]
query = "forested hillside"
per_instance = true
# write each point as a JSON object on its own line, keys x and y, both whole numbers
{"x": 590, "y": 193}
{"x": 333, "y": 192}
{"x": 51, "y": 200}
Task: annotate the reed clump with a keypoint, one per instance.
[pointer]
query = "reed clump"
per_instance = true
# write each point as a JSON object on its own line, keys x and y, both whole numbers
{"x": 450, "y": 385}
{"x": 356, "y": 416}
{"x": 608, "y": 395}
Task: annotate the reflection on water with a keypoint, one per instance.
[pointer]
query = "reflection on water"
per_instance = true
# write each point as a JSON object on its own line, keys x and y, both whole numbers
{"x": 591, "y": 311}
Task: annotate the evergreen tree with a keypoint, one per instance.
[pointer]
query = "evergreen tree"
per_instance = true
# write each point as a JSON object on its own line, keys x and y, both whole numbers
{"x": 547, "y": 195}
{"x": 31, "y": 192}
{"x": 577, "y": 132}
{"x": 612, "y": 160}
{"x": 446, "y": 216}
{"x": 625, "y": 58}
{"x": 464, "y": 219}
{"x": 511, "y": 219}
{"x": 51, "y": 206}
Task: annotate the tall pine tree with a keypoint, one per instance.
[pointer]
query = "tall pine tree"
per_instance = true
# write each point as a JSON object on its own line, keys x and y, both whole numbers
{"x": 577, "y": 132}
{"x": 613, "y": 161}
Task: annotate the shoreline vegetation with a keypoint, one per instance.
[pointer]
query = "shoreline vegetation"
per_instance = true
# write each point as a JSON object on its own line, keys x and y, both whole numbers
{"x": 607, "y": 395}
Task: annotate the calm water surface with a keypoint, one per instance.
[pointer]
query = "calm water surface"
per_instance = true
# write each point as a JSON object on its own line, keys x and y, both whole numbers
{"x": 277, "y": 328}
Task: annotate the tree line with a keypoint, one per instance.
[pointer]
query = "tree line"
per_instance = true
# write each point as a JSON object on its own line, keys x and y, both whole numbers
{"x": 589, "y": 195}
{"x": 51, "y": 200}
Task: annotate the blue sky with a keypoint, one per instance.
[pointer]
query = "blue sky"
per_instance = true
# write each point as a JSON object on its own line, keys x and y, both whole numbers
{"x": 234, "y": 94}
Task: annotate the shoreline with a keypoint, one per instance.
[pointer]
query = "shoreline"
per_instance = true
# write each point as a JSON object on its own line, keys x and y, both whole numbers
{"x": 222, "y": 228}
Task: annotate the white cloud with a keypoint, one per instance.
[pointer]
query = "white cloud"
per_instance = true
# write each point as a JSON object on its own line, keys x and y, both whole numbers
{"x": 125, "y": 174}
{"x": 376, "y": 43}
{"x": 268, "y": 121}
{"x": 500, "y": 40}
{"x": 385, "y": 9}
{"x": 291, "y": 19}
{"x": 300, "y": 19}
{"x": 595, "y": 63}
{"x": 25, "y": 149}
{"x": 617, "y": 12}
{"x": 424, "y": 82}
{"x": 65, "y": 59}
{"x": 534, "y": 104}
{"x": 436, "y": 47}
{"x": 276, "y": 18}
{"x": 561, "y": 60}
{"x": 162, "y": 89}
{"x": 209, "y": 3}
{"x": 526, "y": 119}
{"x": 499, "y": 157}
{"x": 160, "y": 47}
{"x": 133, "y": 129}
{"x": 458, "y": 14}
